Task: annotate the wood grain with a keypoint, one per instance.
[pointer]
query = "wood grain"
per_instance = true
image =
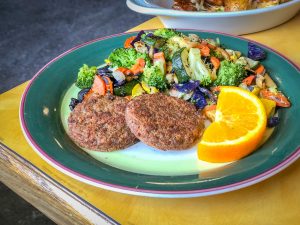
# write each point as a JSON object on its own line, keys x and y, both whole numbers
{"x": 58, "y": 203}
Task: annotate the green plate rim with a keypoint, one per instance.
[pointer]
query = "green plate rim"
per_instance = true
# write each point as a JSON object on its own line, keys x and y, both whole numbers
{"x": 295, "y": 154}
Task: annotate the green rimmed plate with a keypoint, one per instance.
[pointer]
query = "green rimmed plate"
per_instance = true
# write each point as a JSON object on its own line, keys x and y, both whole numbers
{"x": 151, "y": 173}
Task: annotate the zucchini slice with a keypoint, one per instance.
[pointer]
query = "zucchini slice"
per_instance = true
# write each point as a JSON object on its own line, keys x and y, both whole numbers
{"x": 181, "y": 66}
{"x": 126, "y": 89}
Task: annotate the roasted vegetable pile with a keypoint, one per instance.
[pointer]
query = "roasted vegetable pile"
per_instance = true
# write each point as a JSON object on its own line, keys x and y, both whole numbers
{"x": 184, "y": 66}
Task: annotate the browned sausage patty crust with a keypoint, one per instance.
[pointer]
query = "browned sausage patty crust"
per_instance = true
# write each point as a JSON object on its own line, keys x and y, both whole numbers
{"x": 98, "y": 123}
{"x": 164, "y": 122}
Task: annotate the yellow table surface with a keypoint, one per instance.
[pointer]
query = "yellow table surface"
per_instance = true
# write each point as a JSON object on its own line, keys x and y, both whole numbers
{"x": 274, "y": 201}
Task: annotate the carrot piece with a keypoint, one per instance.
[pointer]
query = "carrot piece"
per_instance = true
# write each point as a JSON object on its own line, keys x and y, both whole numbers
{"x": 260, "y": 69}
{"x": 204, "y": 49}
{"x": 248, "y": 80}
{"x": 215, "y": 89}
{"x": 141, "y": 62}
{"x": 122, "y": 69}
{"x": 210, "y": 107}
{"x": 223, "y": 53}
{"x": 128, "y": 97}
{"x": 160, "y": 56}
{"x": 215, "y": 61}
{"x": 125, "y": 71}
{"x": 278, "y": 97}
{"x": 211, "y": 46}
{"x": 109, "y": 84}
{"x": 127, "y": 43}
{"x": 138, "y": 67}
{"x": 210, "y": 112}
{"x": 88, "y": 94}
{"x": 99, "y": 85}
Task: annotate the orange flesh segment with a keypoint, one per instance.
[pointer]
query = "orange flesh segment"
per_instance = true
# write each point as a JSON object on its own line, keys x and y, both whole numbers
{"x": 238, "y": 128}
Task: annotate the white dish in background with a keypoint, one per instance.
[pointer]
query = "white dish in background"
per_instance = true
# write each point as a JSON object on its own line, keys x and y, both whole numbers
{"x": 241, "y": 22}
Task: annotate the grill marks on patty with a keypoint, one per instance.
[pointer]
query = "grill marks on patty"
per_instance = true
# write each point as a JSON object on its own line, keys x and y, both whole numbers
{"x": 164, "y": 122}
{"x": 98, "y": 123}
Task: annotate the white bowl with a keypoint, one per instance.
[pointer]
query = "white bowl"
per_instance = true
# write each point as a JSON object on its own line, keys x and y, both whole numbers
{"x": 241, "y": 22}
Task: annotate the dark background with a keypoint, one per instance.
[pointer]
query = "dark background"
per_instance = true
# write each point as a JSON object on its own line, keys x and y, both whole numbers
{"x": 32, "y": 33}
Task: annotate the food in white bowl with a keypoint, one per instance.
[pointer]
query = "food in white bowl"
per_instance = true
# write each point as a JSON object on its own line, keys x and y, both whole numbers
{"x": 223, "y": 5}
{"x": 237, "y": 22}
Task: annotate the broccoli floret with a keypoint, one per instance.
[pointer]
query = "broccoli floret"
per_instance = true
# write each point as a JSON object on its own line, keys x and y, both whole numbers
{"x": 154, "y": 77}
{"x": 85, "y": 77}
{"x": 230, "y": 74}
{"x": 166, "y": 33}
{"x": 126, "y": 57}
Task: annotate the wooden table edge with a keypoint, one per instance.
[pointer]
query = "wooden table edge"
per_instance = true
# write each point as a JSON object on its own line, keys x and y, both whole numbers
{"x": 23, "y": 178}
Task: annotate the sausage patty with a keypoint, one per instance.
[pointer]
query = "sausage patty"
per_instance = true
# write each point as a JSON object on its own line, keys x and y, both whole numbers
{"x": 98, "y": 123}
{"x": 164, "y": 122}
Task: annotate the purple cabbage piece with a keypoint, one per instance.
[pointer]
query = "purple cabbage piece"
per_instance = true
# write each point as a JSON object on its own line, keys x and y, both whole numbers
{"x": 82, "y": 93}
{"x": 198, "y": 99}
{"x": 150, "y": 35}
{"x": 73, "y": 103}
{"x": 104, "y": 70}
{"x": 208, "y": 94}
{"x": 273, "y": 121}
{"x": 188, "y": 86}
{"x": 155, "y": 50}
{"x": 250, "y": 88}
{"x": 255, "y": 52}
{"x": 138, "y": 37}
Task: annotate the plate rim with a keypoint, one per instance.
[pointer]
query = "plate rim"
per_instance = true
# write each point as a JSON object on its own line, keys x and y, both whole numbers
{"x": 177, "y": 13}
{"x": 146, "y": 192}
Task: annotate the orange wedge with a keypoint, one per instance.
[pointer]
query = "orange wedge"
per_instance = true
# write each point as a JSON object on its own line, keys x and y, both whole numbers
{"x": 238, "y": 128}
